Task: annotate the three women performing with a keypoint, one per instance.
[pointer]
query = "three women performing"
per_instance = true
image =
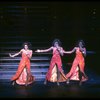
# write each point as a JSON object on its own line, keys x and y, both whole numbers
{"x": 55, "y": 72}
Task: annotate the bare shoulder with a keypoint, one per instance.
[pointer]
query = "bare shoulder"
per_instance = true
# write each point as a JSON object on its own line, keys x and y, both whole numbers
{"x": 30, "y": 51}
{"x": 51, "y": 47}
{"x": 21, "y": 50}
{"x": 75, "y": 48}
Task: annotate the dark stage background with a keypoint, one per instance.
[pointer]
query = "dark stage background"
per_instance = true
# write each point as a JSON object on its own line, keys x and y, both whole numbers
{"x": 41, "y": 22}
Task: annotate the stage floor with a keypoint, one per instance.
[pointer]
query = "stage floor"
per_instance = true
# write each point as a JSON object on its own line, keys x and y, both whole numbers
{"x": 89, "y": 89}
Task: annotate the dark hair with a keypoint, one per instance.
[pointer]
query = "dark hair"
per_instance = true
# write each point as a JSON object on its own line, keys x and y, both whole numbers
{"x": 77, "y": 44}
{"x": 28, "y": 44}
{"x": 56, "y": 40}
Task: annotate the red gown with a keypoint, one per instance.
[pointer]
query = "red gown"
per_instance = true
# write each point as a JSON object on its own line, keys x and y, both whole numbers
{"x": 23, "y": 74}
{"x": 78, "y": 64}
{"x": 55, "y": 66}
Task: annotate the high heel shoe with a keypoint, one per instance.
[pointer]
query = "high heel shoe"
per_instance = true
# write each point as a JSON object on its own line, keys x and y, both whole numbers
{"x": 45, "y": 82}
{"x": 67, "y": 82}
{"x": 58, "y": 83}
{"x": 80, "y": 83}
{"x": 13, "y": 83}
{"x": 26, "y": 84}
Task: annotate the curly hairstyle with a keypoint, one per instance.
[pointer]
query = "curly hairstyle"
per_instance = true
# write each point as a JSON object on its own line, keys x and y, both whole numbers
{"x": 28, "y": 44}
{"x": 77, "y": 44}
{"x": 56, "y": 40}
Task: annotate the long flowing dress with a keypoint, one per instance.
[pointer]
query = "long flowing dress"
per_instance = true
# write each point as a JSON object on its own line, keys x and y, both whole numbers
{"x": 23, "y": 74}
{"x": 77, "y": 66}
{"x": 55, "y": 71}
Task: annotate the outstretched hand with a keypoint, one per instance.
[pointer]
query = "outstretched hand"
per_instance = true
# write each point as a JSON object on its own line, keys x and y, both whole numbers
{"x": 37, "y": 50}
{"x": 11, "y": 55}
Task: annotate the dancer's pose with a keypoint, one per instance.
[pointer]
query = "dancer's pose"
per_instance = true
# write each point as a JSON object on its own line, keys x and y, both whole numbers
{"x": 23, "y": 75}
{"x": 77, "y": 69}
{"x": 55, "y": 71}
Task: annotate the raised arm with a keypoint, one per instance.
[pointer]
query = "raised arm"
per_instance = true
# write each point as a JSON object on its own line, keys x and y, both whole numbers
{"x": 16, "y": 54}
{"x": 46, "y": 50}
{"x": 69, "y": 52}
{"x": 84, "y": 52}
{"x": 30, "y": 54}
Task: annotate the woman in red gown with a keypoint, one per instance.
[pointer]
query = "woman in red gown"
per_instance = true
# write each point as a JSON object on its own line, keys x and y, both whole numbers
{"x": 55, "y": 71}
{"x": 77, "y": 70}
{"x": 23, "y": 75}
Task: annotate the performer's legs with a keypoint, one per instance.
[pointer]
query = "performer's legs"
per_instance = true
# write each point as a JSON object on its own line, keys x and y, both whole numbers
{"x": 46, "y": 78}
{"x": 80, "y": 76}
{"x": 48, "y": 74}
{"x": 20, "y": 69}
{"x": 82, "y": 69}
{"x": 58, "y": 74}
{"x": 82, "y": 73}
{"x": 45, "y": 81}
{"x": 15, "y": 77}
{"x": 28, "y": 67}
{"x": 26, "y": 83}
{"x": 28, "y": 72}
{"x": 74, "y": 65}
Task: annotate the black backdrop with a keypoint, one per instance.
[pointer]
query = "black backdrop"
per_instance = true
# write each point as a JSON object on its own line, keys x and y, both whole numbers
{"x": 68, "y": 21}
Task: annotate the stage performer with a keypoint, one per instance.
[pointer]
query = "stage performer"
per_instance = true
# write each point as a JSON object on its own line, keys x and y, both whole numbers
{"x": 23, "y": 75}
{"x": 77, "y": 70}
{"x": 55, "y": 72}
